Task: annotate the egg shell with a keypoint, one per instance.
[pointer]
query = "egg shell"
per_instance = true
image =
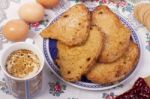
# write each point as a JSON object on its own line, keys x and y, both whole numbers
{"x": 49, "y": 3}
{"x": 15, "y": 30}
{"x": 31, "y": 12}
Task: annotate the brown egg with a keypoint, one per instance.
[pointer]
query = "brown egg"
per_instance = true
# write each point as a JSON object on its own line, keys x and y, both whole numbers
{"x": 49, "y": 3}
{"x": 15, "y": 30}
{"x": 31, "y": 12}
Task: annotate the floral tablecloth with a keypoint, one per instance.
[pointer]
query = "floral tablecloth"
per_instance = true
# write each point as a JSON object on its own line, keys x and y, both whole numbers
{"x": 53, "y": 88}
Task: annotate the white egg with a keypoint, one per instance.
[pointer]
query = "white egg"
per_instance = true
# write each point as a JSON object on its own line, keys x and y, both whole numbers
{"x": 31, "y": 12}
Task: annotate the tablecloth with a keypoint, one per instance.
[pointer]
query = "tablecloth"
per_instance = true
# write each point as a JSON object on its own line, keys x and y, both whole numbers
{"x": 53, "y": 88}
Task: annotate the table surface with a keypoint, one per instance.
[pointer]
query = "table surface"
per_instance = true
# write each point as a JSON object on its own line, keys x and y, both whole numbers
{"x": 9, "y": 10}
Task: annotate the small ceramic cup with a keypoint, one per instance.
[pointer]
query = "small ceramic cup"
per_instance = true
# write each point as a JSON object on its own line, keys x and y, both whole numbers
{"x": 23, "y": 88}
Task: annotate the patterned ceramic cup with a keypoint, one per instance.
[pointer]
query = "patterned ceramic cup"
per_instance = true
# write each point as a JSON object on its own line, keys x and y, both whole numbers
{"x": 23, "y": 88}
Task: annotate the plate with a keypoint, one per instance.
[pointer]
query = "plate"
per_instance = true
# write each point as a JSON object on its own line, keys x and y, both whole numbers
{"x": 50, "y": 52}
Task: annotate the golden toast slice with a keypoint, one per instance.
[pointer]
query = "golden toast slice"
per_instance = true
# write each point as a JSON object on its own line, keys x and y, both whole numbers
{"x": 112, "y": 72}
{"x": 72, "y": 28}
{"x": 117, "y": 36}
{"x": 76, "y": 61}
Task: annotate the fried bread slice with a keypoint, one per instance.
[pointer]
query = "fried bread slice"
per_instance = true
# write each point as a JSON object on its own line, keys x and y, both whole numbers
{"x": 77, "y": 60}
{"x": 117, "y": 36}
{"x": 112, "y": 72}
{"x": 142, "y": 11}
{"x": 72, "y": 27}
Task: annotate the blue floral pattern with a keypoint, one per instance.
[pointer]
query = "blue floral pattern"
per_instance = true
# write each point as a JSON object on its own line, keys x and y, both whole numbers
{"x": 3, "y": 87}
{"x": 4, "y": 4}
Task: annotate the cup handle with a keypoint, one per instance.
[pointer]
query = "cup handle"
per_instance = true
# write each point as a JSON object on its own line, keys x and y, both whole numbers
{"x": 29, "y": 40}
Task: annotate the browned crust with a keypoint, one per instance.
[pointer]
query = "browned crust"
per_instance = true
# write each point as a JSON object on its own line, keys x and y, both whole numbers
{"x": 89, "y": 65}
{"x": 107, "y": 56}
{"x": 100, "y": 51}
{"x": 101, "y": 7}
{"x": 122, "y": 74}
{"x": 142, "y": 10}
{"x": 47, "y": 33}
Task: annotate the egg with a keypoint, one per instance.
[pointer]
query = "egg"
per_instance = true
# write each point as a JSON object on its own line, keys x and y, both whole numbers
{"x": 15, "y": 30}
{"x": 31, "y": 12}
{"x": 49, "y": 3}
